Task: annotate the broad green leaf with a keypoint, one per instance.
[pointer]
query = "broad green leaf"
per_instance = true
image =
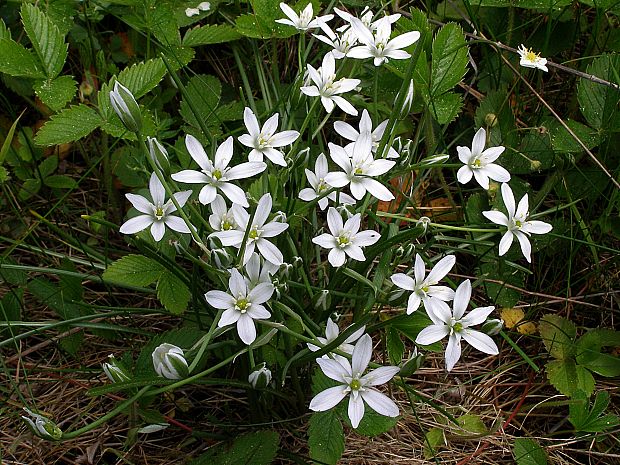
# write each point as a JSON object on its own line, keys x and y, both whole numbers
{"x": 60, "y": 181}
{"x": 173, "y": 293}
{"x": 15, "y": 60}
{"x": 10, "y": 308}
{"x": 395, "y": 346}
{"x": 325, "y": 437}
{"x": 449, "y": 59}
{"x": 204, "y": 91}
{"x": 568, "y": 378}
{"x": 433, "y": 440}
{"x": 591, "y": 420}
{"x": 47, "y": 41}
{"x": 258, "y": 448}
{"x": 558, "y": 335}
{"x": 48, "y": 166}
{"x": 590, "y": 355}
{"x": 562, "y": 141}
{"x": 261, "y": 24}
{"x": 54, "y": 297}
{"x": 528, "y": 452}
{"x": 372, "y": 423}
{"x": 600, "y": 104}
{"x": 499, "y": 292}
{"x": 445, "y": 107}
{"x": 133, "y": 270}
{"x": 69, "y": 125}
{"x": 11, "y": 276}
{"x": 162, "y": 24}
{"x": 472, "y": 424}
{"x": 57, "y": 92}
{"x": 210, "y": 34}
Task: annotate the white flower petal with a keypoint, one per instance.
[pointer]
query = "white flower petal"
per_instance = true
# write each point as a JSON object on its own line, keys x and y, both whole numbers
{"x": 432, "y": 334}
{"x": 380, "y": 403}
{"x": 327, "y": 399}
{"x": 355, "y": 410}
{"x": 453, "y": 351}
{"x": 480, "y": 341}
{"x": 246, "y": 329}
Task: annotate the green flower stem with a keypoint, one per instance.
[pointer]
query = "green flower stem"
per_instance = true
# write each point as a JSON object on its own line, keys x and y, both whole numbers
{"x": 304, "y": 125}
{"x": 246, "y": 234}
{"x": 320, "y": 126}
{"x": 529, "y": 361}
{"x": 204, "y": 341}
{"x": 439, "y": 225}
{"x": 119, "y": 408}
{"x": 282, "y": 328}
{"x": 286, "y": 309}
{"x": 169, "y": 192}
{"x": 244, "y": 79}
{"x": 197, "y": 376}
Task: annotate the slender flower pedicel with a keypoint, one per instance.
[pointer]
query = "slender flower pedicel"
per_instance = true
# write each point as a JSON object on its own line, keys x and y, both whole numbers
{"x": 319, "y": 186}
{"x": 479, "y": 162}
{"x": 217, "y": 175}
{"x": 454, "y": 324}
{"x": 359, "y": 387}
{"x": 241, "y": 305}
{"x": 345, "y": 239}
{"x": 425, "y": 289}
{"x": 265, "y": 140}
{"x": 305, "y": 20}
{"x": 328, "y": 88}
{"x": 156, "y": 214}
{"x": 517, "y": 223}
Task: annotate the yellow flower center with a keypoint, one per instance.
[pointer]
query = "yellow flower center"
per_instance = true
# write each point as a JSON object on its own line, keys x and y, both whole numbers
{"x": 217, "y": 174}
{"x": 253, "y": 234}
{"x": 159, "y": 212}
{"x": 531, "y": 56}
{"x": 242, "y": 305}
{"x": 226, "y": 225}
{"x": 355, "y": 385}
{"x": 343, "y": 240}
{"x": 458, "y": 327}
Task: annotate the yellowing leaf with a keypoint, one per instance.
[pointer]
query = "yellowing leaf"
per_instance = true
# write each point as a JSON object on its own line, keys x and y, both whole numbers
{"x": 512, "y": 316}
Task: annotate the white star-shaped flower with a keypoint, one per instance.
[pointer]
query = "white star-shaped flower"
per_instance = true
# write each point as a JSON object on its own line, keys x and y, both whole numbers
{"x": 359, "y": 168}
{"x": 378, "y": 45}
{"x": 265, "y": 140}
{"x": 356, "y": 385}
{"x": 222, "y": 218}
{"x": 341, "y": 43}
{"x": 258, "y": 232}
{"x": 331, "y": 333}
{"x": 425, "y": 289}
{"x": 517, "y": 223}
{"x": 241, "y": 305}
{"x": 530, "y": 59}
{"x": 479, "y": 162}
{"x": 366, "y": 17}
{"x": 156, "y": 214}
{"x": 452, "y": 323}
{"x": 350, "y": 133}
{"x": 328, "y": 88}
{"x": 305, "y": 20}
{"x": 319, "y": 186}
{"x": 257, "y": 274}
{"x": 345, "y": 239}
{"x": 217, "y": 175}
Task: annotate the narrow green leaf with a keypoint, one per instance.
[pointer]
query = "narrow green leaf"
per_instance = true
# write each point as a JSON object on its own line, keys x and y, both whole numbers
{"x": 133, "y": 270}
{"x": 528, "y": 452}
{"x": 5, "y": 33}
{"x": 325, "y": 437}
{"x": 173, "y": 293}
{"x": 210, "y": 34}
{"x": 6, "y": 145}
{"x": 47, "y": 41}
{"x": 69, "y": 125}
{"x": 15, "y": 60}
{"x": 56, "y": 93}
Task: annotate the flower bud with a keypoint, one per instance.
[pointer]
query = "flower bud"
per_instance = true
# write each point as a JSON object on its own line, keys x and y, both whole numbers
{"x": 159, "y": 155}
{"x": 413, "y": 364}
{"x": 126, "y": 107}
{"x": 115, "y": 370}
{"x": 492, "y": 327}
{"x": 424, "y": 221}
{"x": 535, "y": 165}
{"x": 169, "y": 362}
{"x": 260, "y": 379}
{"x": 280, "y": 216}
{"x": 322, "y": 303}
{"x": 406, "y": 106}
{"x": 42, "y": 426}
{"x": 490, "y": 119}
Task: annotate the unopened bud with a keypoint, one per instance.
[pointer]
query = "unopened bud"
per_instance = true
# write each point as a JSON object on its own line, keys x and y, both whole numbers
{"x": 492, "y": 327}
{"x": 126, "y": 107}
{"x": 115, "y": 370}
{"x": 406, "y": 106}
{"x": 535, "y": 165}
{"x": 169, "y": 362}
{"x": 260, "y": 379}
{"x": 159, "y": 155}
{"x": 424, "y": 221}
{"x": 413, "y": 364}
{"x": 490, "y": 119}
{"x": 42, "y": 426}
{"x": 322, "y": 302}
{"x": 280, "y": 216}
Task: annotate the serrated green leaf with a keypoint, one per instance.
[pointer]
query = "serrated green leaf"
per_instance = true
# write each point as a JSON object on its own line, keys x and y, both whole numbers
{"x": 57, "y": 92}
{"x": 54, "y": 297}
{"x": 445, "y": 107}
{"x": 558, "y": 335}
{"x": 258, "y": 448}
{"x": 562, "y": 141}
{"x": 433, "y": 439}
{"x": 60, "y": 181}
{"x": 325, "y": 437}
{"x": 589, "y": 352}
{"x": 48, "y": 166}
{"x": 5, "y": 33}
{"x": 568, "y": 378}
{"x": 69, "y": 125}
{"x": 591, "y": 420}
{"x": 528, "y": 452}
{"x": 15, "y": 60}
{"x": 204, "y": 91}
{"x": 600, "y": 104}
{"x": 449, "y": 59}
{"x": 210, "y": 34}
{"x": 47, "y": 41}
{"x": 133, "y": 270}
{"x": 372, "y": 423}
{"x": 395, "y": 346}
{"x": 173, "y": 293}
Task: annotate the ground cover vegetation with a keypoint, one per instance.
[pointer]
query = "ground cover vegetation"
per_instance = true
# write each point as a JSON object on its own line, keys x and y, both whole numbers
{"x": 259, "y": 232}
